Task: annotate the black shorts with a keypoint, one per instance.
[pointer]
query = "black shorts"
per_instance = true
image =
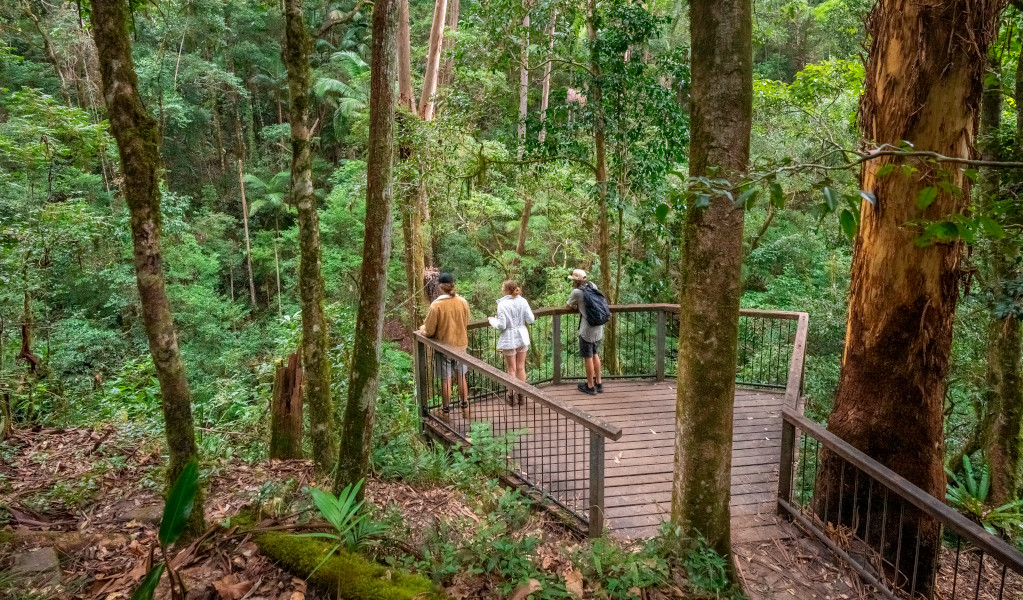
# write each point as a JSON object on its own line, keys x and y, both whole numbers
{"x": 588, "y": 349}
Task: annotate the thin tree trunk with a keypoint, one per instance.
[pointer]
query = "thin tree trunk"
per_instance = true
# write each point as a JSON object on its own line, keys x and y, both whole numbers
{"x": 925, "y": 72}
{"x": 709, "y": 278}
{"x": 1003, "y": 399}
{"x": 433, "y": 61}
{"x": 406, "y": 95}
{"x": 527, "y": 211}
{"x": 523, "y": 81}
{"x": 364, "y": 383}
{"x": 138, "y": 143}
{"x": 315, "y": 329}
{"x": 415, "y": 254}
{"x": 447, "y": 73}
{"x": 545, "y": 92}
{"x": 245, "y": 222}
{"x": 50, "y": 54}
{"x": 600, "y": 148}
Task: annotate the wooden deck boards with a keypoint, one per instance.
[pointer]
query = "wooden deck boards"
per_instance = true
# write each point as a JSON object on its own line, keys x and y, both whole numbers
{"x": 638, "y": 467}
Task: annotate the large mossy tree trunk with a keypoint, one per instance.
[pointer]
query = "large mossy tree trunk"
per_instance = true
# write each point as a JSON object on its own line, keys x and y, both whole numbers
{"x": 722, "y": 84}
{"x": 315, "y": 329}
{"x": 1001, "y": 429}
{"x": 138, "y": 143}
{"x": 925, "y": 72}
{"x": 364, "y": 382}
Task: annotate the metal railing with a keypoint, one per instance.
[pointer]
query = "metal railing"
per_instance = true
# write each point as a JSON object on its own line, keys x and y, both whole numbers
{"x": 556, "y": 449}
{"x": 900, "y": 539}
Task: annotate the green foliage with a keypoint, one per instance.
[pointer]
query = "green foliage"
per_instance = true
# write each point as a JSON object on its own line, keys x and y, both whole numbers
{"x": 616, "y": 573}
{"x": 351, "y": 527}
{"x": 968, "y": 494}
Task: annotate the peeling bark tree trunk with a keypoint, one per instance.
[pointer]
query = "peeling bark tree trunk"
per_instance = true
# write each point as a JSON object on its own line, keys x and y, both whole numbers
{"x": 138, "y": 143}
{"x": 406, "y": 95}
{"x": 545, "y": 92}
{"x": 364, "y": 383}
{"x": 433, "y": 61}
{"x": 447, "y": 73}
{"x": 527, "y": 211}
{"x": 1000, "y": 433}
{"x": 286, "y": 410}
{"x": 722, "y": 79}
{"x": 315, "y": 332}
{"x": 925, "y": 72}
{"x": 600, "y": 150}
{"x": 523, "y": 81}
{"x": 245, "y": 222}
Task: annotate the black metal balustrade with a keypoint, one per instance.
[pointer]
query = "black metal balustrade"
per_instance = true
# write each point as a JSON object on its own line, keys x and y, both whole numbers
{"x": 885, "y": 527}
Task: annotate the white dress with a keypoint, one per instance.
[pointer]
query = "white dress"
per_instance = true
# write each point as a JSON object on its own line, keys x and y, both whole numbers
{"x": 513, "y": 314}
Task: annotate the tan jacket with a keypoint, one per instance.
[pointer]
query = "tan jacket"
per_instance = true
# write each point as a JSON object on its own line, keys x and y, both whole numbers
{"x": 447, "y": 321}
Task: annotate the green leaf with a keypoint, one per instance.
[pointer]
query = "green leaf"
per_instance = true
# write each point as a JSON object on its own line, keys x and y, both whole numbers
{"x": 972, "y": 174}
{"x": 885, "y": 170}
{"x": 831, "y": 198}
{"x": 702, "y": 201}
{"x": 661, "y": 212}
{"x": 990, "y": 227}
{"x": 748, "y": 198}
{"x": 147, "y": 588}
{"x": 777, "y": 196}
{"x": 869, "y": 196}
{"x": 848, "y": 221}
{"x": 179, "y": 504}
{"x": 926, "y": 197}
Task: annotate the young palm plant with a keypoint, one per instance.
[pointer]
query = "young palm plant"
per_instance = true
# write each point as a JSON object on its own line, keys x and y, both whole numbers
{"x": 352, "y": 527}
{"x": 969, "y": 493}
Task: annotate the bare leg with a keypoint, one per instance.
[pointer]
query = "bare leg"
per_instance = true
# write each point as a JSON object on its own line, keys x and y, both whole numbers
{"x": 463, "y": 395}
{"x": 588, "y": 363}
{"x": 520, "y": 365}
{"x": 596, "y": 369}
{"x": 445, "y": 391}
{"x": 511, "y": 366}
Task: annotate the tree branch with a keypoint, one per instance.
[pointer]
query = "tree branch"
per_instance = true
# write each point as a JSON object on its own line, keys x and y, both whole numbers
{"x": 325, "y": 29}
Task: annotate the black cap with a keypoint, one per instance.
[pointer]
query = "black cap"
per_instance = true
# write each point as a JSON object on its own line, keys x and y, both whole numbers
{"x": 446, "y": 278}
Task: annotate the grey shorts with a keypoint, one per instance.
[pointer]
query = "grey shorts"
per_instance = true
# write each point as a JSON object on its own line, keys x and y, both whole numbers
{"x": 588, "y": 349}
{"x": 446, "y": 366}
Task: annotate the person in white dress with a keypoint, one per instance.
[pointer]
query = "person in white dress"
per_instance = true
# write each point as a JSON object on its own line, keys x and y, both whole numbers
{"x": 513, "y": 314}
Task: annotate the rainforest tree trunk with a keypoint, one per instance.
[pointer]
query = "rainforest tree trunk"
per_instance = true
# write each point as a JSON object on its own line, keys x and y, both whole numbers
{"x": 138, "y": 144}
{"x": 523, "y": 81}
{"x": 600, "y": 150}
{"x": 447, "y": 72}
{"x": 711, "y": 259}
{"x": 433, "y": 61}
{"x": 406, "y": 95}
{"x": 924, "y": 77}
{"x": 245, "y": 222}
{"x": 1001, "y": 429}
{"x": 545, "y": 90}
{"x": 286, "y": 410}
{"x": 315, "y": 330}
{"x": 364, "y": 383}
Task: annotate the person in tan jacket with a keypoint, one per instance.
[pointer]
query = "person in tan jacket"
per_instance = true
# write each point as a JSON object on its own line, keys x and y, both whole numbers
{"x": 447, "y": 322}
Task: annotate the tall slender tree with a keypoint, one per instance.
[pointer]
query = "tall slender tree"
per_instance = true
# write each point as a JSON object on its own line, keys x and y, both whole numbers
{"x": 722, "y": 107}
{"x": 432, "y": 73}
{"x": 138, "y": 143}
{"x": 364, "y": 381}
{"x": 924, "y": 78}
{"x": 315, "y": 330}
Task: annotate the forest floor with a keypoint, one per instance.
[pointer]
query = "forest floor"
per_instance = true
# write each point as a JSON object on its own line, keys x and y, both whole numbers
{"x": 82, "y": 509}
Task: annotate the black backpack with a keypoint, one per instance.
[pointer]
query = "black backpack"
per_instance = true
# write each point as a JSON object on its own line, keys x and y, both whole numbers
{"x": 595, "y": 306}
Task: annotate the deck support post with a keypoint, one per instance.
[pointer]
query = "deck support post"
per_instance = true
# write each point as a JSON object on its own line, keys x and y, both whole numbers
{"x": 421, "y": 383}
{"x": 662, "y": 332}
{"x": 788, "y": 445}
{"x": 556, "y": 348}
{"x": 596, "y": 511}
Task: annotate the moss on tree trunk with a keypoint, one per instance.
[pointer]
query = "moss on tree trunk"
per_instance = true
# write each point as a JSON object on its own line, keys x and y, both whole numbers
{"x": 722, "y": 82}
{"x": 364, "y": 382}
{"x": 138, "y": 143}
{"x": 315, "y": 329}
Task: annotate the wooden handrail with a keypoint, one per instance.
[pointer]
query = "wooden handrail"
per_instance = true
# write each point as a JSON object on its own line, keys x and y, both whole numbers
{"x": 672, "y": 308}
{"x": 925, "y": 502}
{"x": 588, "y": 421}
{"x": 794, "y": 383}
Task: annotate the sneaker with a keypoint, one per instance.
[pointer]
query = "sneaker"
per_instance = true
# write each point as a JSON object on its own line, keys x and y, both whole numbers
{"x": 522, "y": 399}
{"x": 600, "y": 388}
{"x": 587, "y": 389}
{"x": 510, "y": 398}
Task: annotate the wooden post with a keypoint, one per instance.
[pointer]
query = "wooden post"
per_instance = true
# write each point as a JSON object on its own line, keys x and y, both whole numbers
{"x": 556, "y": 348}
{"x": 788, "y": 443}
{"x": 662, "y": 332}
{"x": 422, "y": 383}
{"x": 596, "y": 485}
{"x": 286, "y": 410}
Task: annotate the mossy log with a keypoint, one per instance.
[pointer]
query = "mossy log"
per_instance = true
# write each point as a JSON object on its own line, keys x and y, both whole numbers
{"x": 344, "y": 575}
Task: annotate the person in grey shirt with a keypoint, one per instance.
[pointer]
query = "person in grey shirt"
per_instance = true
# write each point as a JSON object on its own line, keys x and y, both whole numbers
{"x": 589, "y": 336}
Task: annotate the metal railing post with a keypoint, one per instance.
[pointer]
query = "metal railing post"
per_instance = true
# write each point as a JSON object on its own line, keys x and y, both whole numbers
{"x": 788, "y": 444}
{"x": 662, "y": 332}
{"x": 556, "y": 349}
{"x": 421, "y": 383}
{"x": 596, "y": 512}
